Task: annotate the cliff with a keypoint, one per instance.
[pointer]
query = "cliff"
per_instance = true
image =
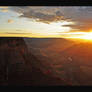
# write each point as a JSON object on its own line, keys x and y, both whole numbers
{"x": 17, "y": 65}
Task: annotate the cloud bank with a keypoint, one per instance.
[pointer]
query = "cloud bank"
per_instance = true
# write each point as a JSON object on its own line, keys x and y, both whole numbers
{"x": 82, "y": 16}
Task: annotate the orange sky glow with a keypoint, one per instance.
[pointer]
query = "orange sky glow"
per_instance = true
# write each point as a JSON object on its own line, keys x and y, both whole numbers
{"x": 46, "y": 22}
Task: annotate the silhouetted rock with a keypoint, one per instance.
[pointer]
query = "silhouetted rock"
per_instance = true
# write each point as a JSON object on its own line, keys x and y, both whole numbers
{"x": 17, "y": 65}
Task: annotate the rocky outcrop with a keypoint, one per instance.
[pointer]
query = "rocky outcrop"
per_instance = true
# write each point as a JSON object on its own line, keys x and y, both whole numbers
{"x": 17, "y": 65}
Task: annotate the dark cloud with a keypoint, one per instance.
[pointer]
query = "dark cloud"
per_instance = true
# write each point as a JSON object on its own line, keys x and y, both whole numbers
{"x": 83, "y": 25}
{"x": 41, "y": 14}
{"x": 82, "y": 16}
{"x": 41, "y": 17}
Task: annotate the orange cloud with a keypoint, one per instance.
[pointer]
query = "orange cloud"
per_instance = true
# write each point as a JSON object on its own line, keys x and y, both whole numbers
{"x": 10, "y": 21}
{"x": 4, "y": 10}
{"x": 3, "y": 7}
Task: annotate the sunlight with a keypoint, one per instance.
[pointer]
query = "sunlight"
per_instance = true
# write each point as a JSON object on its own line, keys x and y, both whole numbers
{"x": 87, "y": 36}
{"x": 79, "y": 35}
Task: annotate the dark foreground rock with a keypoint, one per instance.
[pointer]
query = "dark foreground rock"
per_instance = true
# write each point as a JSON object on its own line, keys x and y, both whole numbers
{"x": 17, "y": 67}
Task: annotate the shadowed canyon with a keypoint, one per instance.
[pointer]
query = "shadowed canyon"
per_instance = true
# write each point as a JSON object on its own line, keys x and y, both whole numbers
{"x": 45, "y": 61}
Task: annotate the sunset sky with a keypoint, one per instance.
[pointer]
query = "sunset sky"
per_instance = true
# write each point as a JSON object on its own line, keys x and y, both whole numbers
{"x": 46, "y": 21}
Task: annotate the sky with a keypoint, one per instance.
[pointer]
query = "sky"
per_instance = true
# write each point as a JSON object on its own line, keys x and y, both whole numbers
{"x": 46, "y": 21}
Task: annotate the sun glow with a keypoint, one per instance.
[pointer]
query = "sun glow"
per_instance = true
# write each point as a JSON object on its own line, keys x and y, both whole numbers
{"x": 88, "y": 36}
{"x": 81, "y": 35}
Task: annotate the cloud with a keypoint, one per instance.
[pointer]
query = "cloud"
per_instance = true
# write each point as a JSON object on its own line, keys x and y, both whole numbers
{"x": 19, "y": 30}
{"x": 17, "y": 33}
{"x": 10, "y": 21}
{"x": 81, "y": 15}
{"x": 40, "y": 14}
{"x": 4, "y": 10}
{"x": 43, "y": 17}
{"x": 86, "y": 26}
{"x": 4, "y": 7}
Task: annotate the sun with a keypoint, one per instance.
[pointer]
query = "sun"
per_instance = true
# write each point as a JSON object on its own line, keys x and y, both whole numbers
{"x": 87, "y": 36}
{"x": 79, "y": 35}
